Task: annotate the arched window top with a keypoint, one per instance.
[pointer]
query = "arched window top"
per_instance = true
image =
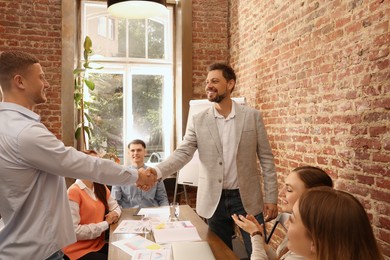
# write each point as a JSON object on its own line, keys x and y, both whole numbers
{"x": 120, "y": 39}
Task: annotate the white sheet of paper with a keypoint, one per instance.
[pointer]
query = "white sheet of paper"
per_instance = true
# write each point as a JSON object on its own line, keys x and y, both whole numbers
{"x": 192, "y": 251}
{"x": 178, "y": 231}
{"x": 129, "y": 227}
{"x": 161, "y": 254}
{"x": 161, "y": 213}
{"x": 136, "y": 245}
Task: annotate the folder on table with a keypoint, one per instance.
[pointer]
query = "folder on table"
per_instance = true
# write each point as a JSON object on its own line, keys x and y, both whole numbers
{"x": 192, "y": 251}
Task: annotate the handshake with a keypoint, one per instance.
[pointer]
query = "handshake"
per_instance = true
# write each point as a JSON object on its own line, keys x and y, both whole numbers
{"x": 146, "y": 178}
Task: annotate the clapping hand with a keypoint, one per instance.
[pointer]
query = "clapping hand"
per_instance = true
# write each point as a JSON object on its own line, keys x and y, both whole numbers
{"x": 254, "y": 220}
{"x": 146, "y": 178}
{"x": 247, "y": 223}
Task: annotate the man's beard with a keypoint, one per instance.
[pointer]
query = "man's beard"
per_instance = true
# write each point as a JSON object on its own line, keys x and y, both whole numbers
{"x": 218, "y": 98}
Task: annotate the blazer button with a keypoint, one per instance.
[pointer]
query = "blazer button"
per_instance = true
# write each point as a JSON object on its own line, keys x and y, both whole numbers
{"x": 219, "y": 180}
{"x": 220, "y": 163}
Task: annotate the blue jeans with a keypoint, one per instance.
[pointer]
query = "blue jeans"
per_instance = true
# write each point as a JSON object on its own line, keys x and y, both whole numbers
{"x": 222, "y": 223}
{"x": 56, "y": 256}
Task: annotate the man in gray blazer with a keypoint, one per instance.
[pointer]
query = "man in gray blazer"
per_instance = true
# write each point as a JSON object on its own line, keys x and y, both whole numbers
{"x": 229, "y": 138}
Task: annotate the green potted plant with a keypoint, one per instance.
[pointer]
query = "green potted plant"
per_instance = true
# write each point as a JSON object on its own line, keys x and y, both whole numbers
{"x": 84, "y": 124}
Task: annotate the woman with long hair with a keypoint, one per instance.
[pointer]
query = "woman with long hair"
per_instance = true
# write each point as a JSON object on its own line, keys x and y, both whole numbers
{"x": 296, "y": 183}
{"x": 328, "y": 224}
{"x": 93, "y": 211}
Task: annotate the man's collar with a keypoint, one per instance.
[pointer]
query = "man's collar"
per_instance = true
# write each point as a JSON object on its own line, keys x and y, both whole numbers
{"x": 230, "y": 116}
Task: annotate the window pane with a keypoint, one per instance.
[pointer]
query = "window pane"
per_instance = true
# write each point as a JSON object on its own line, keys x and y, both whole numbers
{"x": 122, "y": 45}
{"x": 107, "y": 34}
{"x": 137, "y": 38}
{"x": 147, "y": 109}
{"x": 155, "y": 40}
{"x": 106, "y": 111}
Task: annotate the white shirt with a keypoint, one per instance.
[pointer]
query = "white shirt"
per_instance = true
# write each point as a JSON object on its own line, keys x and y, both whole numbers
{"x": 33, "y": 201}
{"x": 92, "y": 230}
{"x": 227, "y": 134}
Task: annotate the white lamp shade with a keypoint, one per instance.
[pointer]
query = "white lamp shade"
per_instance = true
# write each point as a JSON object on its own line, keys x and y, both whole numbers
{"x": 136, "y": 9}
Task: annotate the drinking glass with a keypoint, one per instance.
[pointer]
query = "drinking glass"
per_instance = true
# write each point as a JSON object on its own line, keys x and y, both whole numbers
{"x": 146, "y": 226}
{"x": 174, "y": 210}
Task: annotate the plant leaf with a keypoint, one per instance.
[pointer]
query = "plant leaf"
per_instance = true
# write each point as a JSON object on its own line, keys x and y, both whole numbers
{"x": 78, "y": 70}
{"x": 90, "y": 84}
{"x": 77, "y": 97}
{"x": 77, "y": 133}
{"x": 88, "y": 131}
{"x": 88, "y": 117}
{"x": 87, "y": 43}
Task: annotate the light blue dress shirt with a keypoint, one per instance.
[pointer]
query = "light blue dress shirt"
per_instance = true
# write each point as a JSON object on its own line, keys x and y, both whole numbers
{"x": 33, "y": 201}
{"x": 129, "y": 196}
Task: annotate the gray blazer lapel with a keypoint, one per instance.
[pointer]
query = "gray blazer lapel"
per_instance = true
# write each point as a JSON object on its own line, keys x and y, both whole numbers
{"x": 212, "y": 126}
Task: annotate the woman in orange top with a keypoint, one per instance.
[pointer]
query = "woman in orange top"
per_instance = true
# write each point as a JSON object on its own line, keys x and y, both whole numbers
{"x": 93, "y": 210}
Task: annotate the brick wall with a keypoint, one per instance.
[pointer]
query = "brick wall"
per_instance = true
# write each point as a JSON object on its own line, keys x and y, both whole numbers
{"x": 319, "y": 71}
{"x": 210, "y": 28}
{"x": 35, "y": 27}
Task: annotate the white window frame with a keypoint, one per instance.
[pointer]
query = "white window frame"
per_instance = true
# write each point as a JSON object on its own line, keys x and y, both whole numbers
{"x": 142, "y": 66}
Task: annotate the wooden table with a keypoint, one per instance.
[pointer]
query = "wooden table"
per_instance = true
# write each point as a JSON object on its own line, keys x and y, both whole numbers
{"x": 220, "y": 250}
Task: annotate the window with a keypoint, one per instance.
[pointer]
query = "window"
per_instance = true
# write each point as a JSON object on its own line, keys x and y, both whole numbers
{"x": 133, "y": 97}
{"x": 105, "y": 27}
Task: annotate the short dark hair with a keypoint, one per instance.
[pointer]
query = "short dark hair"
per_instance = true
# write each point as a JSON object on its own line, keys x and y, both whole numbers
{"x": 12, "y": 63}
{"x": 137, "y": 141}
{"x": 227, "y": 71}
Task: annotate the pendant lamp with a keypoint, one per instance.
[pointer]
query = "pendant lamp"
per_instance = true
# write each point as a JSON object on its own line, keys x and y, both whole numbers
{"x": 136, "y": 9}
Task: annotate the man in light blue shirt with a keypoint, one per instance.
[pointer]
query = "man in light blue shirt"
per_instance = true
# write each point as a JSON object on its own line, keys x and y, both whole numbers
{"x": 33, "y": 162}
{"x": 129, "y": 196}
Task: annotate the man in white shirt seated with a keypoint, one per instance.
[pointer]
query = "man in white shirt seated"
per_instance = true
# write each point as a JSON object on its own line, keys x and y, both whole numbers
{"x": 129, "y": 196}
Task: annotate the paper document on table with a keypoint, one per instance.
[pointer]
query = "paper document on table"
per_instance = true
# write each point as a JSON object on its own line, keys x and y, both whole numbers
{"x": 129, "y": 227}
{"x": 160, "y": 213}
{"x": 192, "y": 251}
{"x": 142, "y": 248}
{"x": 175, "y": 232}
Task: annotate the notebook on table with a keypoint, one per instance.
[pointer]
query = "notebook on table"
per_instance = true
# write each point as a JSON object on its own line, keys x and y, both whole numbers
{"x": 192, "y": 251}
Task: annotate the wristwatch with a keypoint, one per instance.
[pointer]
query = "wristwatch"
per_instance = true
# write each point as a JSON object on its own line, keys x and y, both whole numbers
{"x": 256, "y": 233}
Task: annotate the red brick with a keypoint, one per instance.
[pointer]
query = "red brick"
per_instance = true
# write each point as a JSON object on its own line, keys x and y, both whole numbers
{"x": 384, "y": 235}
{"x": 354, "y": 189}
{"x": 365, "y": 179}
{"x": 383, "y": 182}
{"x": 381, "y": 157}
{"x": 375, "y": 169}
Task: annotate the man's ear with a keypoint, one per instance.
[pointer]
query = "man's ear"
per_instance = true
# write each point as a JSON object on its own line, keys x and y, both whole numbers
{"x": 18, "y": 80}
{"x": 231, "y": 84}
